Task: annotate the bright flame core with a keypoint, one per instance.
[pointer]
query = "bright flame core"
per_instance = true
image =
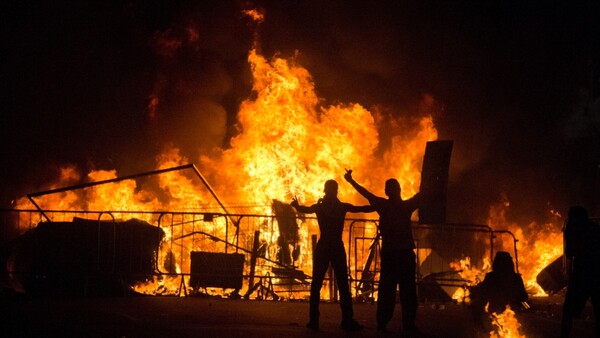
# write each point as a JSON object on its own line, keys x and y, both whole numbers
{"x": 507, "y": 325}
{"x": 289, "y": 146}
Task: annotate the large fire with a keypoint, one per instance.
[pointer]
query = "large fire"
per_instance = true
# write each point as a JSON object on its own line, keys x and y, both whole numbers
{"x": 288, "y": 145}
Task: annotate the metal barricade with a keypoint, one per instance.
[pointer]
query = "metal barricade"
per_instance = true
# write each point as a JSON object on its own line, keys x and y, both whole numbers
{"x": 449, "y": 257}
{"x": 273, "y": 267}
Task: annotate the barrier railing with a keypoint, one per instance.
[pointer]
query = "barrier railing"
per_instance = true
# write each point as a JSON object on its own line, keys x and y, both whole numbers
{"x": 275, "y": 264}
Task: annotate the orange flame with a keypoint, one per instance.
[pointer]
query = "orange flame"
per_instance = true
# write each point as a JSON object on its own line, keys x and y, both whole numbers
{"x": 289, "y": 144}
{"x": 470, "y": 273}
{"x": 538, "y": 244}
{"x": 254, "y": 14}
{"x": 507, "y": 325}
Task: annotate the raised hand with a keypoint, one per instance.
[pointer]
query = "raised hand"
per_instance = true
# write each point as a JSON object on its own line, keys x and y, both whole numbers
{"x": 348, "y": 175}
{"x": 294, "y": 202}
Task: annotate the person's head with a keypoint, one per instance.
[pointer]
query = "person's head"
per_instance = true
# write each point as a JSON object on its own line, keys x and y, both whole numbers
{"x": 577, "y": 214}
{"x": 331, "y": 188}
{"x": 503, "y": 263}
{"x": 392, "y": 188}
{"x": 578, "y": 217}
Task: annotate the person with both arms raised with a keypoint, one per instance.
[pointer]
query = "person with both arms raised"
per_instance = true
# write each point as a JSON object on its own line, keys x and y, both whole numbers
{"x": 331, "y": 213}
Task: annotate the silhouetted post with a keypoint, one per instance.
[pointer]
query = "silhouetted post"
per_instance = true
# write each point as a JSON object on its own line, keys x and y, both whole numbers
{"x": 313, "y": 240}
{"x": 253, "y": 257}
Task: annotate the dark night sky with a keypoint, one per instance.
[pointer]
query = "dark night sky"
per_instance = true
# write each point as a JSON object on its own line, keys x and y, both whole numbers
{"x": 512, "y": 82}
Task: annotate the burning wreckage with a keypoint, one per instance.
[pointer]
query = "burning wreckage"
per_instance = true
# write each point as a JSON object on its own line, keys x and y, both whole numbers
{"x": 263, "y": 255}
{"x": 111, "y": 256}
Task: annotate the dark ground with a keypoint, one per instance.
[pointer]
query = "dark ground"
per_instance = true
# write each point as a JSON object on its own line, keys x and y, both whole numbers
{"x": 146, "y": 316}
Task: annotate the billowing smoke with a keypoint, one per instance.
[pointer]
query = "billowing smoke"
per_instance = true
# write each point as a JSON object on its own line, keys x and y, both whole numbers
{"x": 185, "y": 106}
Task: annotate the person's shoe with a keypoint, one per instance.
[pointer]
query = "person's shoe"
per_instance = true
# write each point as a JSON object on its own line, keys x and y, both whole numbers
{"x": 351, "y": 325}
{"x": 313, "y": 325}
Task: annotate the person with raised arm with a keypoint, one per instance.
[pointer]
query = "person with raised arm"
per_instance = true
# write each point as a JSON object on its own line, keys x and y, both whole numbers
{"x": 331, "y": 214}
{"x": 398, "y": 259}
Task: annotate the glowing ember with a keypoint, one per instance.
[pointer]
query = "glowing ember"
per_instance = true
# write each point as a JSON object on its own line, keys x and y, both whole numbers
{"x": 255, "y": 15}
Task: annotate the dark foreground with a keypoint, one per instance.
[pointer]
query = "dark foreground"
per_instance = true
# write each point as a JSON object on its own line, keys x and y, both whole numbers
{"x": 144, "y": 316}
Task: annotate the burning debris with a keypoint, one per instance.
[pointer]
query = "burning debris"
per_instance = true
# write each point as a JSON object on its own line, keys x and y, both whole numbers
{"x": 552, "y": 278}
{"x": 505, "y": 325}
{"x": 288, "y": 142}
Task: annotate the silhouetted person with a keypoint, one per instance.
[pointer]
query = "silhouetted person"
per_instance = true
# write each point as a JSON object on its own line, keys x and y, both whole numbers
{"x": 398, "y": 260}
{"x": 331, "y": 213}
{"x": 500, "y": 287}
{"x": 582, "y": 253}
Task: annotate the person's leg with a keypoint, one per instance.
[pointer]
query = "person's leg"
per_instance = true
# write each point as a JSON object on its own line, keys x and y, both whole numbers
{"x": 340, "y": 269}
{"x": 596, "y": 304}
{"x": 477, "y": 307}
{"x": 320, "y": 265}
{"x": 408, "y": 289}
{"x": 566, "y": 322}
{"x": 575, "y": 300}
{"x": 386, "y": 299}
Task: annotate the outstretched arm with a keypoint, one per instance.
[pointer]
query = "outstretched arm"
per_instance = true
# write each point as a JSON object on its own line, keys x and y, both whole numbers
{"x": 414, "y": 202}
{"x": 301, "y": 208}
{"x": 361, "y": 190}
{"x": 360, "y": 208}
